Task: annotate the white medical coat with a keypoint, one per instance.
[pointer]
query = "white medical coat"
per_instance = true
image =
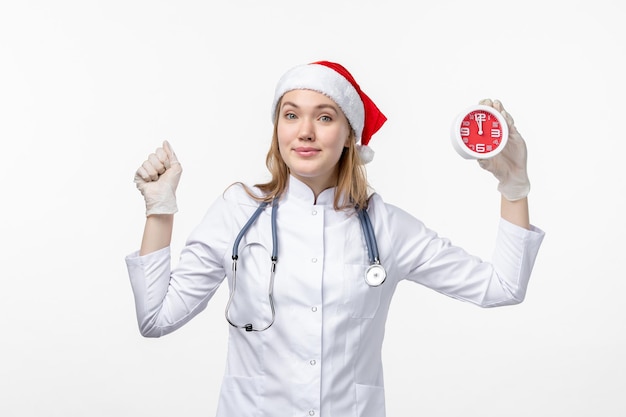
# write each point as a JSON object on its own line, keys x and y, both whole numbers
{"x": 322, "y": 356}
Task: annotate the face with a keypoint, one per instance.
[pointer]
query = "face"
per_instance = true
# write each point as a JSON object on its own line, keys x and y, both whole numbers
{"x": 312, "y": 133}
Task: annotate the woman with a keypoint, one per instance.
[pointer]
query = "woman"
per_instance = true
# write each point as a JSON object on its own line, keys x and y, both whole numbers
{"x": 307, "y": 329}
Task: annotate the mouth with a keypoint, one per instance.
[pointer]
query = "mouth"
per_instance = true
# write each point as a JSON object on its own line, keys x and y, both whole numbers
{"x": 306, "y": 151}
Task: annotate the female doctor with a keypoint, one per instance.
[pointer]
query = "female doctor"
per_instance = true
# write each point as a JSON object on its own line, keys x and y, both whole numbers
{"x": 312, "y": 258}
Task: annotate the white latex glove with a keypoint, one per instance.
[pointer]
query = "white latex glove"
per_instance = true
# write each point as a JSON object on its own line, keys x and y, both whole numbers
{"x": 157, "y": 179}
{"x": 509, "y": 166}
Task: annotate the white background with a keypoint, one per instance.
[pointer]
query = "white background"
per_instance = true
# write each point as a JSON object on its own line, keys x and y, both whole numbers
{"x": 89, "y": 88}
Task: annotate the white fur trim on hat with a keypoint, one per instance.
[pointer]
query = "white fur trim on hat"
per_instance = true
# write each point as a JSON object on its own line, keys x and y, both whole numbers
{"x": 329, "y": 82}
{"x": 366, "y": 153}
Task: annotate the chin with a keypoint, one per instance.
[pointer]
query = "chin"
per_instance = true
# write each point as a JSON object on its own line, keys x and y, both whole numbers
{"x": 306, "y": 170}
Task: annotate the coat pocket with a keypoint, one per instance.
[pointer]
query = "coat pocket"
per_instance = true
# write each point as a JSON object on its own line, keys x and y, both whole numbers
{"x": 363, "y": 299}
{"x": 240, "y": 396}
{"x": 370, "y": 401}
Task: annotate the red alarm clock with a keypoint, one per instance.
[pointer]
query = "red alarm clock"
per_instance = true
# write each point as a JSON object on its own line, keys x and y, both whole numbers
{"x": 480, "y": 132}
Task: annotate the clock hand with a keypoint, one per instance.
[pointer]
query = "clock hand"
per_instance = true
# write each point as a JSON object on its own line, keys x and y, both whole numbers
{"x": 480, "y": 117}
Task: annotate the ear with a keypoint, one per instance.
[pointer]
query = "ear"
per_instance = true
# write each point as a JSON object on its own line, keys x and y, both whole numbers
{"x": 346, "y": 144}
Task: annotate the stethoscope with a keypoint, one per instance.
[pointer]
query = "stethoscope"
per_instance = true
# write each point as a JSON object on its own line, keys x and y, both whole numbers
{"x": 375, "y": 274}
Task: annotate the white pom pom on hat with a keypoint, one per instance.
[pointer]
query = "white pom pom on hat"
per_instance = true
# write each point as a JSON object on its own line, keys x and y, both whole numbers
{"x": 334, "y": 81}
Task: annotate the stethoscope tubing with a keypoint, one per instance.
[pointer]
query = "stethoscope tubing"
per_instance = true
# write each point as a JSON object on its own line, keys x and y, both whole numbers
{"x": 245, "y": 228}
{"x": 374, "y": 276}
{"x": 249, "y": 327}
{"x": 370, "y": 237}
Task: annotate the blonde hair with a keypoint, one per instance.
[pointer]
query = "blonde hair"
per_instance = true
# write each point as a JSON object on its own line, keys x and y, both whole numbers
{"x": 352, "y": 186}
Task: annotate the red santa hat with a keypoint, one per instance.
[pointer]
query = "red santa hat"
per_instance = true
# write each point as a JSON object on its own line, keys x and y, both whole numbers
{"x": 334, "y": 81}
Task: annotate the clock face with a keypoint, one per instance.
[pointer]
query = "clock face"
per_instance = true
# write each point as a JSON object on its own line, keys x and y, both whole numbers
{"x": 479, "y": 132}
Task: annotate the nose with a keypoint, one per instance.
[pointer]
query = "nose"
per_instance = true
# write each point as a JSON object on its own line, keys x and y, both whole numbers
{"x": 306, "y": 130}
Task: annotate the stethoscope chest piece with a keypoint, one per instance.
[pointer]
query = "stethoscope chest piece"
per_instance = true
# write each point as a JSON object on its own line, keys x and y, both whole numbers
{"x": 375, "y": 275}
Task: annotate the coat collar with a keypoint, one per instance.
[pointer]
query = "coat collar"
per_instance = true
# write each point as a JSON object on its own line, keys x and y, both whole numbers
{"x": 301, "y": 192}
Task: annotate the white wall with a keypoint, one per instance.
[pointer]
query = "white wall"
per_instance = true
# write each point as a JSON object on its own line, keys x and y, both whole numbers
{"x": 89, "y": 88}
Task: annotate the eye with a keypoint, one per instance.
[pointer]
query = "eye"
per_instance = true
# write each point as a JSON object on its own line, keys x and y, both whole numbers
{"x": 290, "y": 116}
{"x": 326, "y": 119}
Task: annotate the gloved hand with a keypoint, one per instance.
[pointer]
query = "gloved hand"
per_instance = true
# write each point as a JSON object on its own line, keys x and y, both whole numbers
{"x": 509, "y": 166}
{"x": 157, "y": 179}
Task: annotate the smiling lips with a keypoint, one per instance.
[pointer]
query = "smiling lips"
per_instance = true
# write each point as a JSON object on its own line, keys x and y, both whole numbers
{"x": 306, "y": 151}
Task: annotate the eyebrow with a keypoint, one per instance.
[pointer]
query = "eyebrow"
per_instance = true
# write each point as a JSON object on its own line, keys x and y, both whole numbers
{"x": 320, "y": 106}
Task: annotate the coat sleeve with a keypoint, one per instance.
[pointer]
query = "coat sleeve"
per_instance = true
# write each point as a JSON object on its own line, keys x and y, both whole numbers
{"x": 165, "y": 298}
{"x": 428, "y": 259}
